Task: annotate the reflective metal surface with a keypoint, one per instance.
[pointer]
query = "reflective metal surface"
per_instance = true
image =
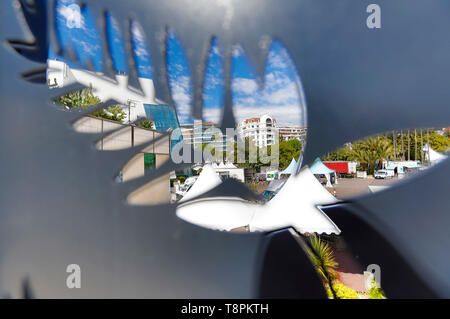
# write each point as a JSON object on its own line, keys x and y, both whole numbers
{"x": 59, "y": 204}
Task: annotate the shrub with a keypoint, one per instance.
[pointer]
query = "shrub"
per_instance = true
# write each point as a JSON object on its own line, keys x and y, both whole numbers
{"x": 146, "y": 124}
{"x": 322, "y": 257}
{"x": 375, "y": 292}
{"x": 342, "y": 291}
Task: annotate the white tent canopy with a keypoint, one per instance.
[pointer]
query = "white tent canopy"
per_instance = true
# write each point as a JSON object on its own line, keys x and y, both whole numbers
{"x": 295, "y": 206}
{"x": 207, "y": 180}
{"x": 319, "y": 168}
{"x": 432, "y": 156}
{"x": 290, "y": 169}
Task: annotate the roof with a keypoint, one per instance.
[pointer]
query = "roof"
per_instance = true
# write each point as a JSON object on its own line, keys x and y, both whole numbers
{"x": 207, "y": 180}
{"x": 433, "y": 155}
{"x": 223, "y": 165}
{"x": 295, "y": 205}
{"x": 319, "y": 168}
{"x": 291, "y": 168}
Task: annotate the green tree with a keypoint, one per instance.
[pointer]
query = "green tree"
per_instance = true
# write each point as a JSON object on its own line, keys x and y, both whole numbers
{"x": 287, "y": 151}
{"x": 341, "y": 154}
{"x": 370, "y": 152}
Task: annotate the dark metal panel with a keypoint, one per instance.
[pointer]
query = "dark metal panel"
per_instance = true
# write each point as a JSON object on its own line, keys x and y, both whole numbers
{"x": 58, "y": 203}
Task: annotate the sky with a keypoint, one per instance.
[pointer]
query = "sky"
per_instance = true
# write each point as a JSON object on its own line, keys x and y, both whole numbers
{"x": 179, "y": 77}
{"x": 278, "y": 93}
{"x": 76, "y": 28}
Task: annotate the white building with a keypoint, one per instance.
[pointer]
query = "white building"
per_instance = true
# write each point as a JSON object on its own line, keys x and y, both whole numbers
{"x": 203, "y": 133}
{"x": 263, "y": 130}
{"x": 292, "y": 132}
{"x": 59, "y": 74}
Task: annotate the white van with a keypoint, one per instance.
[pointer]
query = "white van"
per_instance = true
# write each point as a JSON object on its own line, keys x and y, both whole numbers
{"x": 383, "y": 174}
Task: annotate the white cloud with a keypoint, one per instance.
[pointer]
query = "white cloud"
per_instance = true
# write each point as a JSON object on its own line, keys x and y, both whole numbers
{"x": 244, "y": 86}
{"x": 180, "y": 90}
{"x": 280, "y": 98}
{"x": 71, "y": 13}
{"x": 237, "y": 51}
{"x": 212, "y": 115}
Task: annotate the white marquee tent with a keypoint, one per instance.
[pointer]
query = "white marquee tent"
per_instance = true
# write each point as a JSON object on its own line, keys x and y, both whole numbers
{"x": 290, "y": 169}
{"x": 295, "y": 205}
{"x": 432, "y": 156}
{"x": 319, "y": 168}
{"x": 207, "y": 180}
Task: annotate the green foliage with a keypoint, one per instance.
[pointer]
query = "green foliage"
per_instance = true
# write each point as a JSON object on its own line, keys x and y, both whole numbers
{"x": 78, "y": 99}
{"x": 342, "y": 291}
{"x": 322, "y": 257}
{"x": 369, "y": 152}
{"x": 437, "y": 142}
{"x": 288, "y": 150}
{"x": 375, "y": 292}
{"x": 341, "y": 154}
{"x": 146, "y": 124}
{"x": 84, "y": 98}
{"x": 114, "y": 113}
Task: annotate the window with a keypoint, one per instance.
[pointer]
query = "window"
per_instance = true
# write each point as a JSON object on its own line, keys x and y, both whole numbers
{"x": 164, "y": 118}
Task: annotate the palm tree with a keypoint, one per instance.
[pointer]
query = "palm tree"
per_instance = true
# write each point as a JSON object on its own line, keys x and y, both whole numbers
{"x": 382, "y": 149}
{"x": 372, "y": 150}
{"x": 322, "y": 257}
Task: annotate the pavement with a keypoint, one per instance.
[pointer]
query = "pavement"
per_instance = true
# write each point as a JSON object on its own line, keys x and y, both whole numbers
{"x": 352, "y": 187}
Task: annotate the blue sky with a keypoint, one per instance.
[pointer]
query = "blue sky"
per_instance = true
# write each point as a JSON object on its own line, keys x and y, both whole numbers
{"x": 213, "y": 86}
{"x": 116, "y": 44}
{"x": 278, "y": 94}
{"x": 179, "y": 77}
{"x": 141, "y": 52}
{"x": 83, "y": 36}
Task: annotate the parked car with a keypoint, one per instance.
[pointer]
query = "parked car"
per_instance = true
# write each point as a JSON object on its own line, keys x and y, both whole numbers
{"x": 383, "y": 174}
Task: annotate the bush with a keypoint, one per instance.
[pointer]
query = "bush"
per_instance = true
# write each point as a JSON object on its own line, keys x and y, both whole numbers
{"x": 146, "y": 124}
{"x": 342, "y": 291}
{"x": 375, "y": 292}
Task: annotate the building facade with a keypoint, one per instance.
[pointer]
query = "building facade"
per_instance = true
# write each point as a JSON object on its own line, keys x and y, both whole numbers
{"x": 203, "y": 133}
{"x": 263, "y": 131}
{"x": 293, "y": 132}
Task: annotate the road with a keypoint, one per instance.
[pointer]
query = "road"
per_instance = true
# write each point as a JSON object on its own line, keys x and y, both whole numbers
{"x": 351, "y": 187}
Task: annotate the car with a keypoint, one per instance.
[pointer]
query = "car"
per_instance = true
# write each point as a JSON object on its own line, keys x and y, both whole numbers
{"x": 383, "y": 174}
